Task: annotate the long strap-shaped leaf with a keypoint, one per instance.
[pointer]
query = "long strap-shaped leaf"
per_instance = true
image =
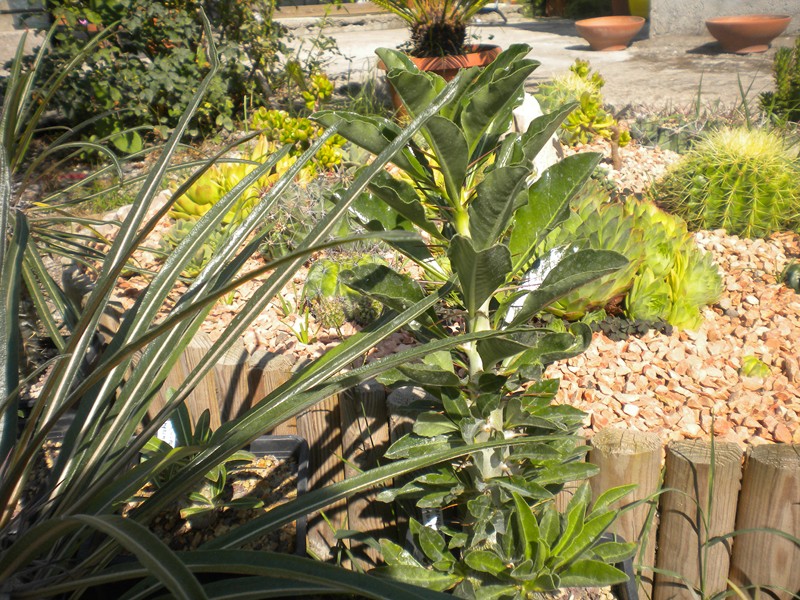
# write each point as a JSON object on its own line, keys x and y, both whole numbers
{"x": 157, "y": 360}
{"x": 10, "y": 282}
{"x": 154, "y": 554}
{"x": 275, "y": 283}
{"x": 57, "y": 386}
{"x": 58, "y": 383}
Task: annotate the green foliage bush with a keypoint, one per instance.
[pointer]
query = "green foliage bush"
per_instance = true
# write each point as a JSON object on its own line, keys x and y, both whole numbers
{"x": 667, "y": 278}
{"x": 72, "y": 541}
{"x": 746, "y": 181}
{"x": 784, "y": 103}
{"x": 145, "y": 69}
{"x": 590, "y": 119}
{"x": 464, "y": 188}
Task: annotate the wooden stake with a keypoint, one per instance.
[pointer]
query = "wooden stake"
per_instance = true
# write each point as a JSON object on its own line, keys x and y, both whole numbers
{"x": 204, "y": 396}
{"x": 401, "y": 421}
{"x": 365, "y": 438}
{"x": 700, "y": 504}
{"x": 770, "y": 498}
{"x": 625, "y": 457}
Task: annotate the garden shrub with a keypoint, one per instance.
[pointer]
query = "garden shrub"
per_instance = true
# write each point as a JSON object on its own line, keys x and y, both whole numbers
{"x": 746, "y": 181}
{"x": 590, "y": 119}
{"x": 464, "y": 188}
{"x": 667, "y": 279}
{"x": 151, "y": 61}
{"x": 784, "y": 103}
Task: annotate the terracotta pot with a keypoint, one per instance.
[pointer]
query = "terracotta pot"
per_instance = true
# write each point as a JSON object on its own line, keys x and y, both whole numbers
{"x": 448, "y": 66}
{"x": 746, "y": 34}
{"x": 609, "y": 33}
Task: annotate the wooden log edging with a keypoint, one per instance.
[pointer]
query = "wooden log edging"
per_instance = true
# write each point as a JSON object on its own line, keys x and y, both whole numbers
{"x": 631, "y": 457}
{"x": 701, "y": 484}
{"x": 770, "y": 498}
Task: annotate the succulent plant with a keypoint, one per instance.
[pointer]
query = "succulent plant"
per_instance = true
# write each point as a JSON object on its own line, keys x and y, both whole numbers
{"x": 791, "y": 276}
{"x": 333, "y": 302}
{"x": 590, "y": 119}
{"x": 668, "y": 278}
{"x": 746, "y": 181}
{"x": 176, "y": 234}
{"x": 784, "y": 103}
{"x": 597, "y": 223}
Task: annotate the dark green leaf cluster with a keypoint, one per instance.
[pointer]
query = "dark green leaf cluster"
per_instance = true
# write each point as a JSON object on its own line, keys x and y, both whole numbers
{"x": 531, "y": 550}
{"x": 62, "y": 543}
{"x": 152, "y": 55}
{"x": 468, "y": 189}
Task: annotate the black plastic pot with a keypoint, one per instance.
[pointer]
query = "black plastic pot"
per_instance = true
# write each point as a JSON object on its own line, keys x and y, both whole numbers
{"x": 295, "y": 448}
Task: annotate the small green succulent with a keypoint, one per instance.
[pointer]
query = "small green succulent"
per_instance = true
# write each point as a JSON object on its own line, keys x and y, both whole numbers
{"x": 668, "y": 278}
{"x": 209, "y": 495}
{"x": 332, "y": 301}
{"x": 175, "y": 235}
{"x": 784, "y": 103}
{"x": 590, "y": 119}
{"x": 791, "y": 276}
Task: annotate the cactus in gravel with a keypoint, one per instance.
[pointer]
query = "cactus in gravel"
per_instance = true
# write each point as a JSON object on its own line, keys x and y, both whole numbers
{"x": 784, "y": 103}
{"x": 746, "y": 181}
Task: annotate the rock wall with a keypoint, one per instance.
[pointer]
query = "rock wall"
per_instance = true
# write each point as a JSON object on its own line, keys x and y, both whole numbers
{"x": 687, "y": 17}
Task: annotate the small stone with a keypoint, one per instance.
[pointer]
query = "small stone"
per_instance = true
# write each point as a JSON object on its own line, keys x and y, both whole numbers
{"x": 631, "y": 410}
{"x": 782, "y": 434}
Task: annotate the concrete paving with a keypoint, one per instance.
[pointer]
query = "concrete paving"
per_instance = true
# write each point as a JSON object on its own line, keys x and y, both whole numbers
{"x": 663, "y": 72}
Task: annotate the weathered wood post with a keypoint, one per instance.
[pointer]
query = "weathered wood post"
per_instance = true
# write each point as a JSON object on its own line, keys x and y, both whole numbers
{"x": 231, "y": 375}
{"x": 626, "y": 457}
{"x": 204, "y": 396}
{"x": 699, "y": 503}
{"x": 365, "y": 438}
{"x": 770, "y": 498}
{"x": 267, "y": 371}
{"x": 402, "y": 415}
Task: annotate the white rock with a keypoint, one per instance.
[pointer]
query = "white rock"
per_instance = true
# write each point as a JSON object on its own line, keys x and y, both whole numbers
{"x": 524, "y": 115}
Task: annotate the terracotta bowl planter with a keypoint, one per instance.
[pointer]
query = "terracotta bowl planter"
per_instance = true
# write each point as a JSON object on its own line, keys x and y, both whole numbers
{"x": 746, "y": 34}
{"x": 609, "y": 33}
{"x": 448, "y": 66}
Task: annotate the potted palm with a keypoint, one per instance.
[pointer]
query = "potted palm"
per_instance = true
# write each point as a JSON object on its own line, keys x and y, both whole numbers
{"x": 439, "y": 34}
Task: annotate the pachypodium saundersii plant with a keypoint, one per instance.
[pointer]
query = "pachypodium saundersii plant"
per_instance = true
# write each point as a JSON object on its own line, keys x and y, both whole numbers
{"x": 465, "y": 187}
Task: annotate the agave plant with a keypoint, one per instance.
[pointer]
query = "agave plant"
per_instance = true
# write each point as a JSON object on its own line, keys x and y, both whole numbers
{"x": 437, "y": 27}
{"x": 70, "y": 539}
{"x": 465, "y": 189}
